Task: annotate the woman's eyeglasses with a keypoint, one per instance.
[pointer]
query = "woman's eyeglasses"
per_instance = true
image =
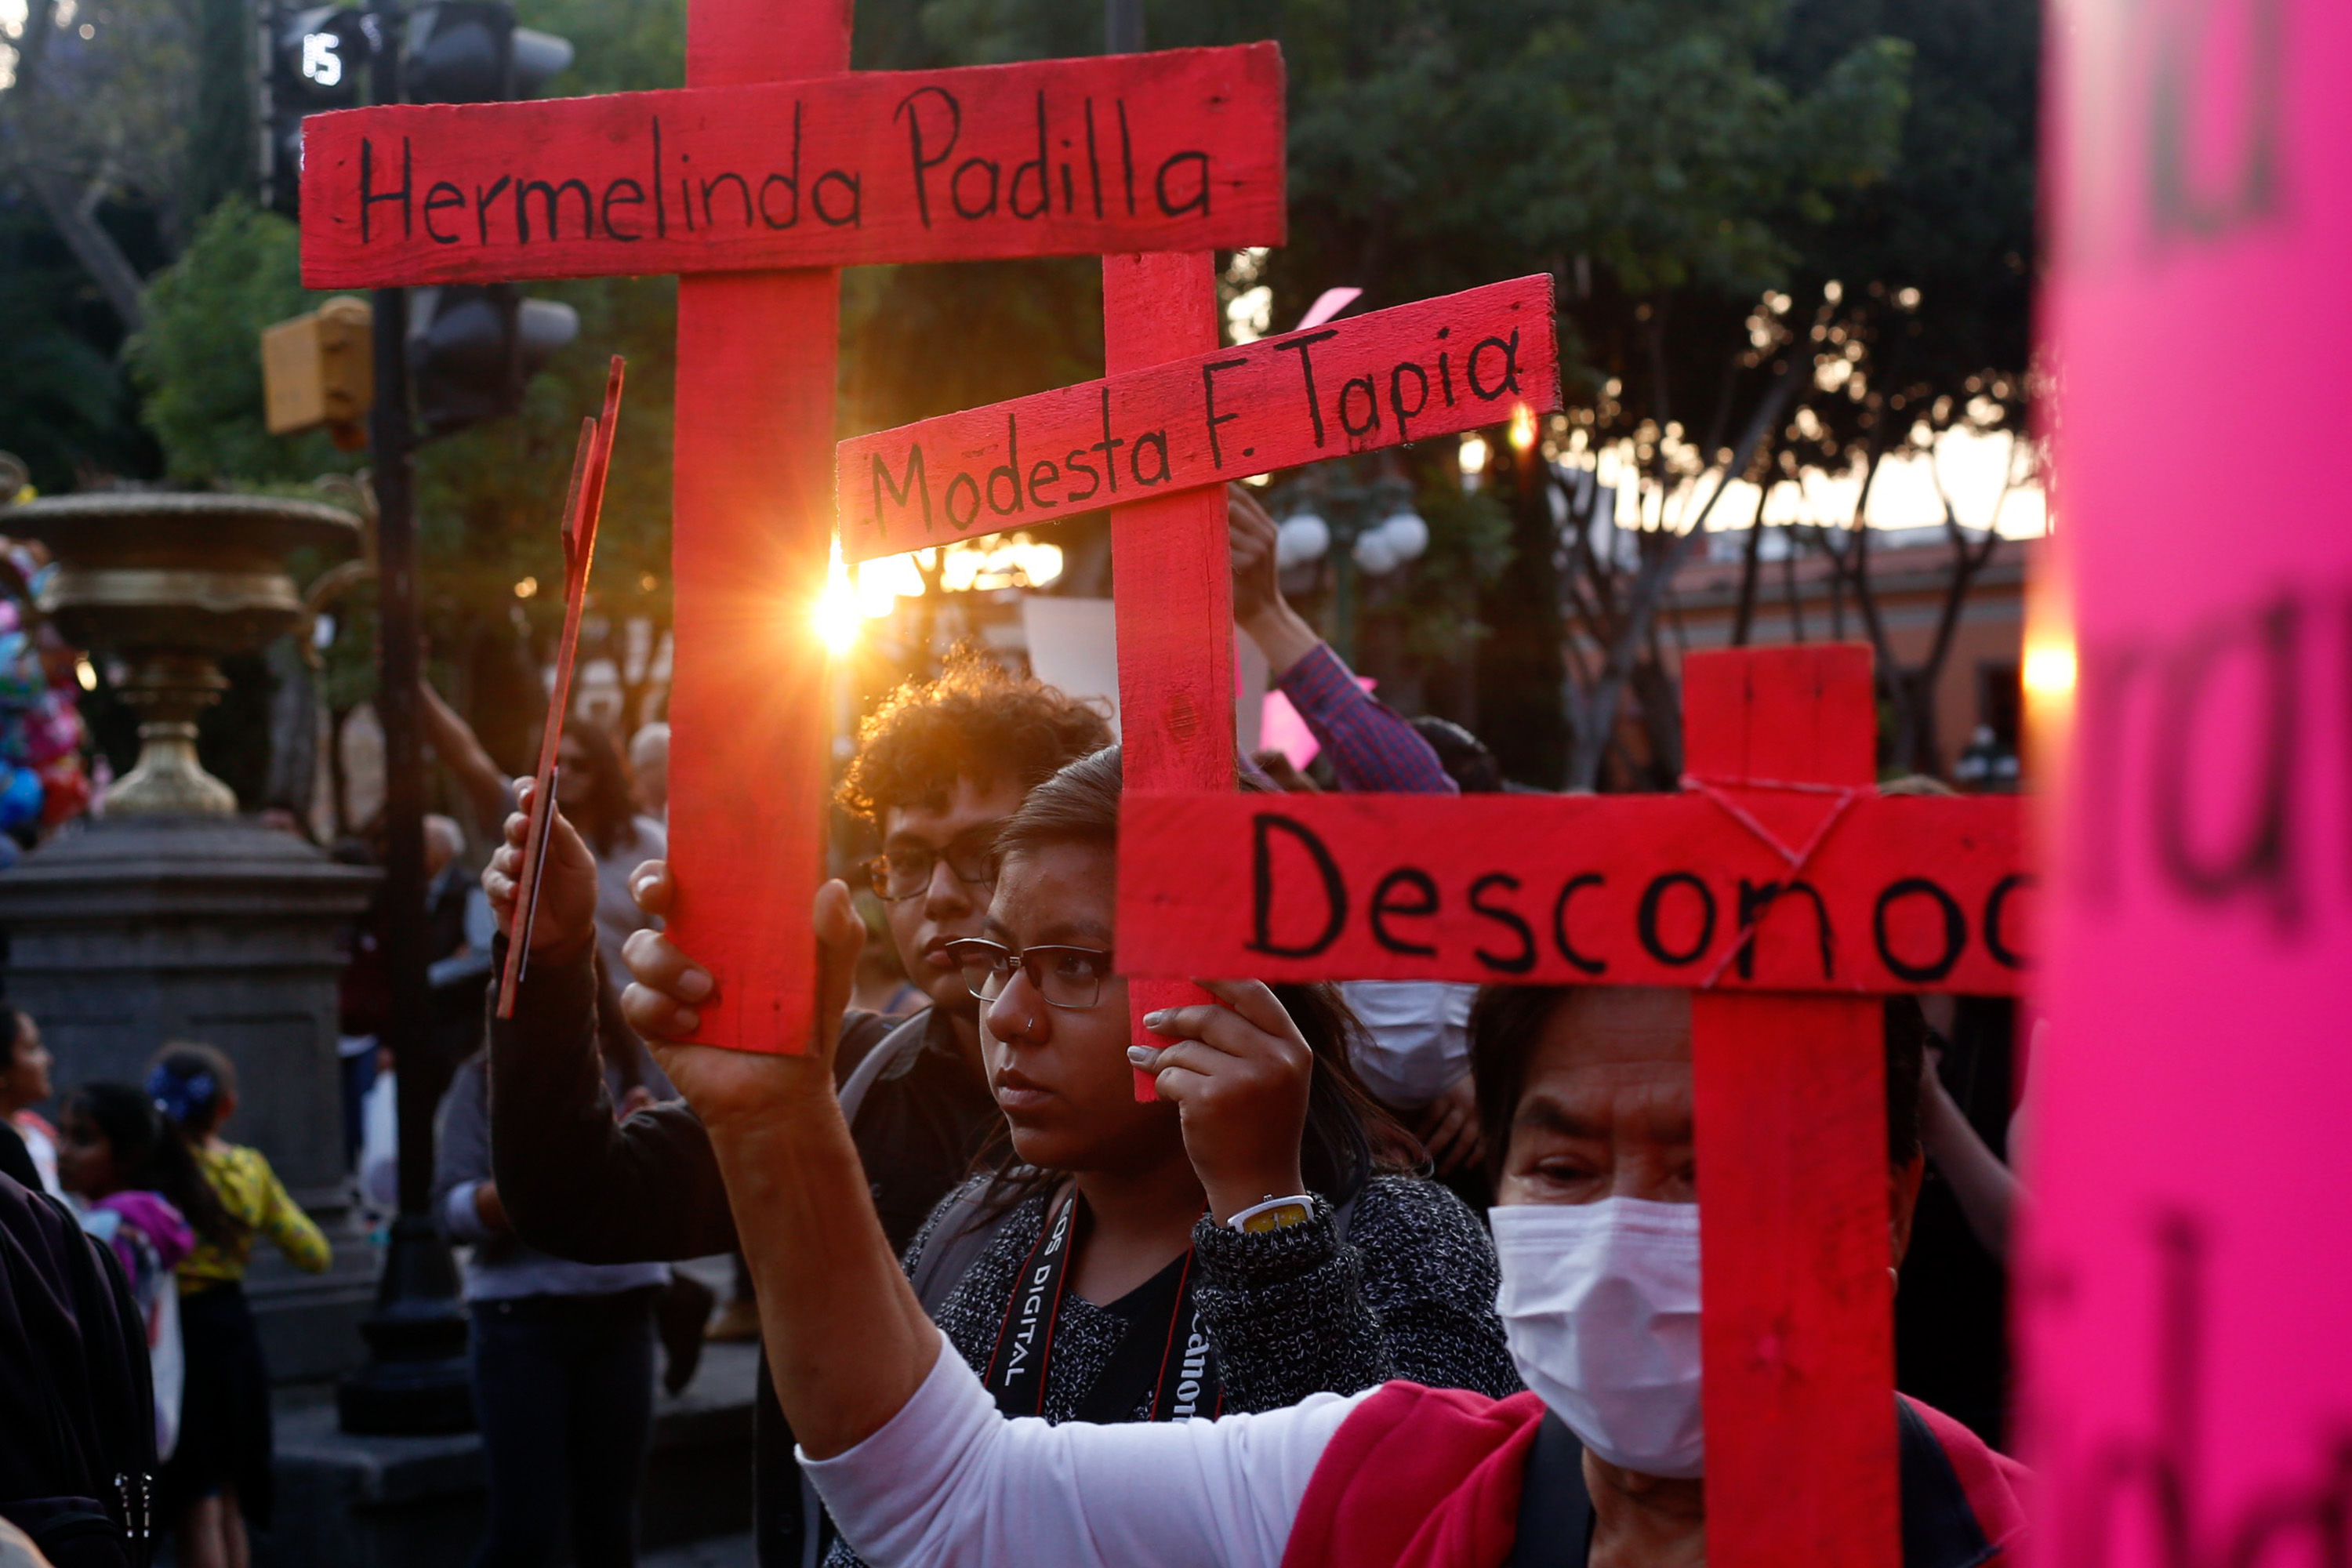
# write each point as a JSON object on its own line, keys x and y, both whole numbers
{"x": 1069, "y": 977}
{"x": 906, "y": 873}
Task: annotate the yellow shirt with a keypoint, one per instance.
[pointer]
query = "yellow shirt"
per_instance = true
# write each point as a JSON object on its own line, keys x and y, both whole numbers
{"x": 259, "y": 1204}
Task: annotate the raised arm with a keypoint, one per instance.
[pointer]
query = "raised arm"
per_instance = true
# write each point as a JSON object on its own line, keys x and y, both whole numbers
{"x": 1373, "y": 749}
{"x": 574, "y": 1182}
{"x": 910, "y": 1452}
{"x": 453, "y": 742}
{"x": 847, "y": 1341}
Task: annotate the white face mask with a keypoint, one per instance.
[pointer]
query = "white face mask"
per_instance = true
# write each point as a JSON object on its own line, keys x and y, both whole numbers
{"x": 1600, "y": 1304}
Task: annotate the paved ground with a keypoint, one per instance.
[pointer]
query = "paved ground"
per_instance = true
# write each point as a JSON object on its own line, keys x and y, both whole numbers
{"x": 726, "y": 1551}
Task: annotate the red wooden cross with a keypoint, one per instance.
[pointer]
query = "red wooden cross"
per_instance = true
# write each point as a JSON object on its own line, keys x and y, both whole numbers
{"x": 774, "y": 157}
{"x": 1783, "y": 887}
{"x": 1175, "y": 418}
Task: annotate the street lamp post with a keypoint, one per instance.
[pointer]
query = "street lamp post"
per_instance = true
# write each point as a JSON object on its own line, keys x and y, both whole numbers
{"x": 1363, "y": 526}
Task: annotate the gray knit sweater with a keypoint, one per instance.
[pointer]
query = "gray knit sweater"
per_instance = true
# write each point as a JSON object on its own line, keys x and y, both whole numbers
{"x": 1410, "y": 1293}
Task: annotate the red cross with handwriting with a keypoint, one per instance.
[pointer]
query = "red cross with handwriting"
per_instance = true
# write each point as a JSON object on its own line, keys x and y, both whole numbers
{"x": 772, "y": 168}
{"x": 1778, "y": 884}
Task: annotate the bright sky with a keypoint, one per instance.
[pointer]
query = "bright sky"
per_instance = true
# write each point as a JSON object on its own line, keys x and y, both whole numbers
{"x": 1972, "y": 467}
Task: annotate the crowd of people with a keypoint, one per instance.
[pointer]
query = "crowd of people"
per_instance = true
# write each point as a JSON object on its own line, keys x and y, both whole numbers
{"x": 1385, "y": 1273}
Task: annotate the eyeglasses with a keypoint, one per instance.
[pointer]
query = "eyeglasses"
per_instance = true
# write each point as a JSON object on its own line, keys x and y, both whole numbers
{"x": 1069, "y": 977}
{"x": 906, "y": 873}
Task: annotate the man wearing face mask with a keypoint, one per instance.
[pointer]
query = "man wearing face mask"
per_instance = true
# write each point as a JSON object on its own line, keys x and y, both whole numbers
{"x": 1589, "y": 1093}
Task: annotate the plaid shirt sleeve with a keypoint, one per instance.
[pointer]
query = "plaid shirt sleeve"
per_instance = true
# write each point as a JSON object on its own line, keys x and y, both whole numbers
{"x": 1374, "y": 751}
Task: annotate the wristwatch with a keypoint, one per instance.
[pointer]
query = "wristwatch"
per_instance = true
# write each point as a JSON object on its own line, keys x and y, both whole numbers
{"x": 1275, "y": 1214}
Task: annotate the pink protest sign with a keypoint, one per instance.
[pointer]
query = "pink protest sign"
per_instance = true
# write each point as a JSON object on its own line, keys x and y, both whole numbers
{"x": 2186, "y": 1298}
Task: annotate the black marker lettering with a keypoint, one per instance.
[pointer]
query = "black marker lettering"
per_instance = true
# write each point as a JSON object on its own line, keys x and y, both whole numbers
{"x": 1043, "y": 472}
{"x": 855, "y": 187}
{"x": 1510, "y": 382}
{"x": 1559, "y": 923}
{"x": 1304, "y": 344}
{"x": 1076, "y": 463}
{"x": 1383, "y": 905}
{"x": 1010, "y": 469}
{"x": 742, "y": 189}
{"x": 1157, "y": 441}
{"x": 635, "y": 198}
{"x": 955, "y": 187}
{"x": 1956, "y": 931}
{"x": 432, "y": 203}
{"x": 1126, "y": 155}
{"x": 1044, "y": 196}
{"x": 1514, "y": 963}
{"x": 482, "y": 200}
{"x": 1335, "y": 888}
{"x": 1371, "y": 408}
{"x": 1396, "y": 396}
{"x": 1209, "y": 399}
{"x": 368, "y": 197}
{"x": 962, "y": 524}
{"x": 1200, "y": 199}
{"x": 1646, "y": 920}
{"x": 1108, "y": 446}
{"x": 914, "y": 481}
{"x": 1755, "y": 899}
{"x": 791, "y": 183}
{"x": 550, "y": 195}
{"x": 1995, "y": 941}
{"x": 1094, "y": 160}
{"x": 915, "y": 150}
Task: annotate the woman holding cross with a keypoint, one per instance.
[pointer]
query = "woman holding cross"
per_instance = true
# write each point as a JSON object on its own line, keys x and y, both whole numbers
{"x": 1589, "y": 1093}
{"x": 1247, "y": 1239}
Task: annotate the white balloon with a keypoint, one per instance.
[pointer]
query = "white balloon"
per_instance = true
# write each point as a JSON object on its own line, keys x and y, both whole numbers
{"x": 1375, "y": 553}
{"x": 1407, "y": 534}
{"x": 1302, "y": 537}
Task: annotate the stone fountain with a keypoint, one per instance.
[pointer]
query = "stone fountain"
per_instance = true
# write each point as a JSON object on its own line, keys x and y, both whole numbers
{"x": 170, "y": 917}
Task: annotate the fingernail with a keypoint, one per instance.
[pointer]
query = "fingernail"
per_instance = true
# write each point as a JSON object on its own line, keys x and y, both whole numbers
{"x": 688, "y": 1020}
{"x": 1143, "y": 1056}
{"x": 1153, "y": 1020}
{"x": 694, "y": 984}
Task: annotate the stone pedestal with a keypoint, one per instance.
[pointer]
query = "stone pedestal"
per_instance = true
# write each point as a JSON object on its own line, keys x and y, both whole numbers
{"x": 146, "y": 929}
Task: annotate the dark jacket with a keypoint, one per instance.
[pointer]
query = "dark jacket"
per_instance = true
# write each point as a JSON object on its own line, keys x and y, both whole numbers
{"x": 577, "y": 1185}
{"x": 77, "y": 1408}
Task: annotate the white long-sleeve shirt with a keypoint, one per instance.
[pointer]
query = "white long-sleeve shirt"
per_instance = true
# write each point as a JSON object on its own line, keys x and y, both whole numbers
{"x": 949, "y": 1482}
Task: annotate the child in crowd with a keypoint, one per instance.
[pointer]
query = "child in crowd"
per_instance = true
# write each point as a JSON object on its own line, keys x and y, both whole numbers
{"x": 23, "y": 1084}
{"x": 134, "y": 1186}
{"x": 219, "y": 1477}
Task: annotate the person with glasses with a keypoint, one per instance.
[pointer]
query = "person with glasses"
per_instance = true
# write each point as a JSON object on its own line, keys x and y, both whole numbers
{"x": 1248, "y": 1238}
{"x": 939, "y": 766}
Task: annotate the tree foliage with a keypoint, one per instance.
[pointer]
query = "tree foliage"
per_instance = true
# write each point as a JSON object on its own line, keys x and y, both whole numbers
{"x": 197, "y": 361}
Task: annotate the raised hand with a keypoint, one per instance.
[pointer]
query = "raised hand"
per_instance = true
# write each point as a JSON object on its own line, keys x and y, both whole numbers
{"x": 566, "y": 925}
{"x": 738, "y": 1093}
{"x": 1239, "y": 1076}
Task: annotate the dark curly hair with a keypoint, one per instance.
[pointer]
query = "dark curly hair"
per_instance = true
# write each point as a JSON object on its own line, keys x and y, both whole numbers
{"x": 975, "y": 721}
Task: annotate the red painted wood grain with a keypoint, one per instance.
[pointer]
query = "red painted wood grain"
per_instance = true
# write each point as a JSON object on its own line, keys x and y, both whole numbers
{"x": 750, "y": 724}
{"x": 1430, "y": 368}
{"x": 1789, "y": 1105}
{"x": 1172, "y": 583}
{"x": 739, "y": 170}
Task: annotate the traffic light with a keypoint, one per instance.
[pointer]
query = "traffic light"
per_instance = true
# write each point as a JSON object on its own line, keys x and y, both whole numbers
{"x": 470, "y": 51}
{"x": 320, "y": 369}
{"x": 318, "y": 60}
{"x": 473, "y": 347}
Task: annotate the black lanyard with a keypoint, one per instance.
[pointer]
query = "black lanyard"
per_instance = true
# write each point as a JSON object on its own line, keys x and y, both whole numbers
{"x": 1174, "y": 1361}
